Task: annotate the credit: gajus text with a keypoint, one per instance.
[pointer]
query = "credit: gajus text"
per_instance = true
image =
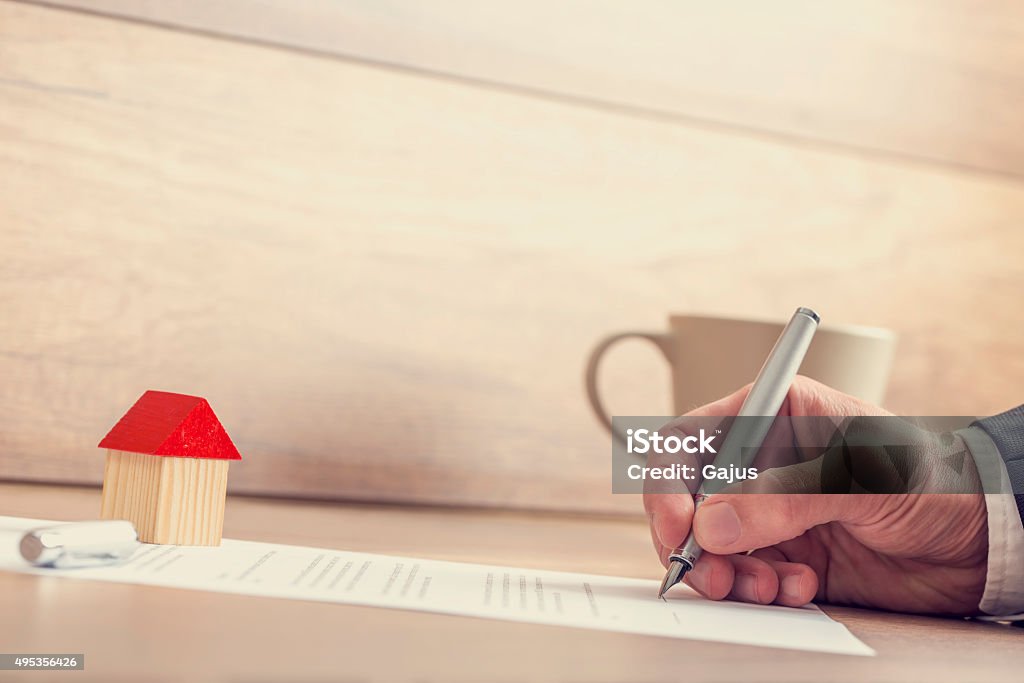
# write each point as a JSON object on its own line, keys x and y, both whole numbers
{"x": 645, "y": 441}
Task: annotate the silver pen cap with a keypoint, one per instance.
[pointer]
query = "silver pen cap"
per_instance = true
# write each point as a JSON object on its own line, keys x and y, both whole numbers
{"x": 80, "y": 544}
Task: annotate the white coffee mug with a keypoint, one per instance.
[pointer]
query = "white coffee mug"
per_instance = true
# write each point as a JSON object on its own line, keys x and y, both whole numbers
{"x": 711, "y": 357}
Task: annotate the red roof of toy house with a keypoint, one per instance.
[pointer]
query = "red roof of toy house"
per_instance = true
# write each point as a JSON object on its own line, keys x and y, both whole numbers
{"x": 161, "y": 423}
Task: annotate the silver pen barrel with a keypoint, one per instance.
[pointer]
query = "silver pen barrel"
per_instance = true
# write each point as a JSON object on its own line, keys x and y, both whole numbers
{"x": 779, "y": 370}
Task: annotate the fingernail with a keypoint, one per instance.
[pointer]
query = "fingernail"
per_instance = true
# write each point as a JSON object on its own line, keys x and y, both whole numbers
{"x": 790, "y": 587}
{"x": 719, "y": 523}
{"x": 746, "y": 586}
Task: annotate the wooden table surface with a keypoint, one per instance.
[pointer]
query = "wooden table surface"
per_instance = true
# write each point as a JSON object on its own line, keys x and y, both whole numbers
{"x": 136, "y": 633}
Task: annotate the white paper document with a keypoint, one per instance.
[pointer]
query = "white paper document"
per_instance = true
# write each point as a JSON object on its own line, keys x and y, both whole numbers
{"x": 589, "y": 601}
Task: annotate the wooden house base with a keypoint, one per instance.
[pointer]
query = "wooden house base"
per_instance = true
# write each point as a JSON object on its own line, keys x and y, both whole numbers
{"x": 178, "y": 501}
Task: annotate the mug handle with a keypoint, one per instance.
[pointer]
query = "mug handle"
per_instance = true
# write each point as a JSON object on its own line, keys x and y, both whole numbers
{"x": 661, "y": 340}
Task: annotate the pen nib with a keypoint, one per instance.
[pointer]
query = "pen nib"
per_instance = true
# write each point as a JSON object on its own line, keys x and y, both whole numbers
{"x": 676, "y": 571}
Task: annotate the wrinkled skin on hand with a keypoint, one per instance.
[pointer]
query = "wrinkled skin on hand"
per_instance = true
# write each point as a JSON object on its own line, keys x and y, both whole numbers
{"x": 909, "y": 552}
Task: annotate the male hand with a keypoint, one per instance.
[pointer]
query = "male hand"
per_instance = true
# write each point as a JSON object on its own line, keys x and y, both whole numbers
{"x": 909, "y": 552}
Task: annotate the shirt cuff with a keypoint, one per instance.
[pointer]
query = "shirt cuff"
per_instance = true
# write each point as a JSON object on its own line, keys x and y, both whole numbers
{"x": 1004, "y": 583}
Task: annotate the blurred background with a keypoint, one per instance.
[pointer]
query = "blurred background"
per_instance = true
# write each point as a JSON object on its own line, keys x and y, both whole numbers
{"x": 381, "y": 237}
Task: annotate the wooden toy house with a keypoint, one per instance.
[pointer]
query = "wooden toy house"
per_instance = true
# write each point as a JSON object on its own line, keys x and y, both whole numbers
{"x": 167, "y": 470}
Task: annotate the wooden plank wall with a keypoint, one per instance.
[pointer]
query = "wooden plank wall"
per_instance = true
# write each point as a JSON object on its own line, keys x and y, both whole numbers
{"x": 921, "y": 79}
{"x": 386, "y": 282}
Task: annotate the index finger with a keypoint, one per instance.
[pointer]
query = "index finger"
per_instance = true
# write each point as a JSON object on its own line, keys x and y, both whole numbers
{"x": 670, "y": 516}
{"x": 670, "y": 512}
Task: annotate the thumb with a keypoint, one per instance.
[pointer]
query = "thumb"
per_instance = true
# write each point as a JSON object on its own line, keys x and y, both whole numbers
{"x": 728, "y": 523}
{"x": 784, "y": 502}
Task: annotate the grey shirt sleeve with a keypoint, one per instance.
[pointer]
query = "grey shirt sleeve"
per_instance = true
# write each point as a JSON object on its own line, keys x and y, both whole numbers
{"x": 1007, "y": 432}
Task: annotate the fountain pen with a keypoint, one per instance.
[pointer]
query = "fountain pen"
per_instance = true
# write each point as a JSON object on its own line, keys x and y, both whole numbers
{"x": 764, "y": 401}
